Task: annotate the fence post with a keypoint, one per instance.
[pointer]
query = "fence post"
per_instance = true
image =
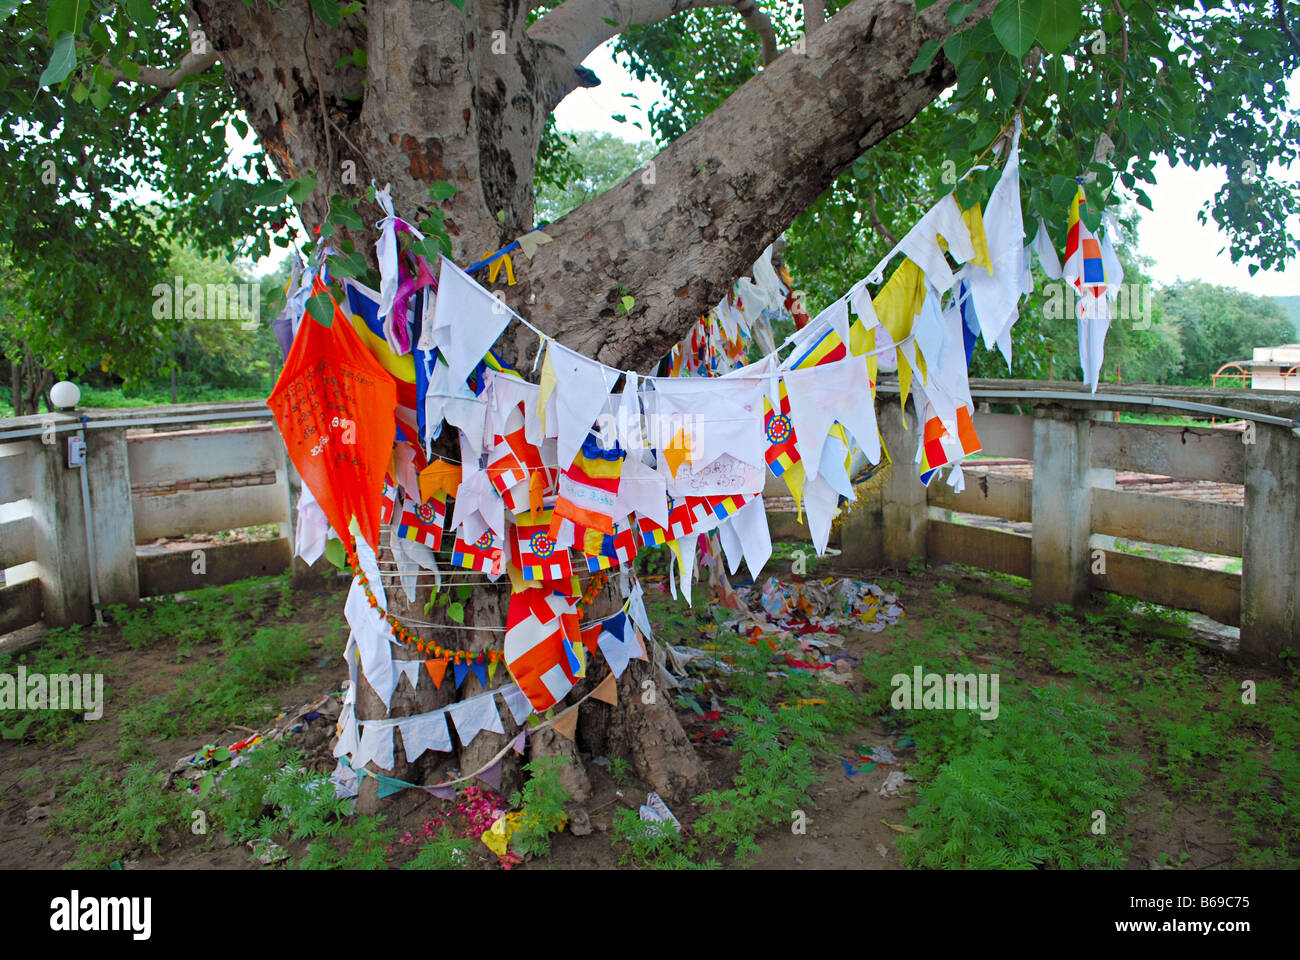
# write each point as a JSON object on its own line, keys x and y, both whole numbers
{"x": 1270, "y": 561}
{"x": 109, "y": 476}
{"x": 1064, "y": 479}
{"x": 60, "y": 532}
{"x": 903, "y": 497}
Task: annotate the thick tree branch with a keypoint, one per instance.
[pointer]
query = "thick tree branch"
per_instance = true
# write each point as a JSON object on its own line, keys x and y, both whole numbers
{"x": 579, "y": 26}
{"x": 676, "y": 233}
{"x": 814, "y": 15}
{"x": 757, "y": 21}
{"x": 168, "y": 78}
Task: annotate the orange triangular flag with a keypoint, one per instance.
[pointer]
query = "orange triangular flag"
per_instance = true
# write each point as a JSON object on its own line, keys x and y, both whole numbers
{"x": 607, "y": 690}
{"x": 439, "y": 476}
{"x": 436, "y": 670}
{"x": 566, "y": 724}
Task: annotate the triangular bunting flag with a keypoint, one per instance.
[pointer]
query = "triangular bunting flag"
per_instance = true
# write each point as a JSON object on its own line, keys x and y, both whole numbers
{"x": 566, "y": 724}
{"x": 606, "y": 691}
{"x": 437, "y": 668}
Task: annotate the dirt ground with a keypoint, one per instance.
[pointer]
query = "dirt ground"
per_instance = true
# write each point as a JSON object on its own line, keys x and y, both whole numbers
{"x": 848, "y": 821}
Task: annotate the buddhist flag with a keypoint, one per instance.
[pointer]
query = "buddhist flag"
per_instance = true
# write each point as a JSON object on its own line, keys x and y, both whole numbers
{"x": 485, "y": 554}
{"x": 827, "y": 348}
{"x": 939, "y": 447}
{"x": 589, "y": 487}
{"x": 423, "y": 522}
{"x": 389, "y": 502}
{"x": 542, "y": 637}
{"x": 603, "y": 550}
{"x": 1083, "y": 262}
{"x": 535, "y": 553}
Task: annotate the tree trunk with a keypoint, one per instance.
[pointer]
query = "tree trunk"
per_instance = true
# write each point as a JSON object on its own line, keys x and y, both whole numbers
{"x": 464, "y": 97}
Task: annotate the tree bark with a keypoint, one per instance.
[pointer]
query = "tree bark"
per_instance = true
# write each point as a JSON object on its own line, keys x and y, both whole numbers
{"x": 464, "y": 97}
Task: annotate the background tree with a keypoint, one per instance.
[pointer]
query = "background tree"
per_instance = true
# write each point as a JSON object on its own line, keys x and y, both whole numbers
{"x": 451, "y": 105}
{"x": 1219, "y": 324}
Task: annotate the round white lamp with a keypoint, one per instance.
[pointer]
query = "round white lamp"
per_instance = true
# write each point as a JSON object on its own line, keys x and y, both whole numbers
{"x": 65, "y": 394}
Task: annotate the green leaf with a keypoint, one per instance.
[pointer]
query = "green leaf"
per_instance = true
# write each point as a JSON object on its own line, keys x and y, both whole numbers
{"x": 627, "y": 303}
{"x": 327, "y": 10}
{"x": 302, "y": 188}
{"x": 100, "y": 96}
{"x": 334, "y": 552}
{"x": 442, "y": 190}
{"x": 456, "y": 612}
{"x": 62, "y": 60}
{"x": 66, "y": 15}
{"x": 1060, "y": 25}
{"x": 1005, "y": 76}
{"x": 464, "y": 591}
{"x": 957, "y": 12}
{"x": 1015, "y": 23}
{"x": 79, "y": 92}
{"x": 458, "y": 4}
{"x": 269, "y": 194}
{"x": 358, "y": 56}
{"x": 353, "y": 265}
{"x": 923, "y": 4}
{"x": 925, "y": 57}
{"x": 142, "y": 12}
{"x": 321, "y": 309}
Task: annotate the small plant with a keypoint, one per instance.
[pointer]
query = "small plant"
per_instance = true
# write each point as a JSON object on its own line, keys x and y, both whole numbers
{"x": 111, "y": 821}
{"x": 620, "y": 770}
{"x": 654, "y": 846}
{"x": 541, "y": 807}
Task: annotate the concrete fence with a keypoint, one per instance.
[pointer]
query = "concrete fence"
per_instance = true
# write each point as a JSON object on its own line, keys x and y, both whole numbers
{"x": 1062, "y": 523}
{"x": 151, "y": 473}
{"x": 199, "y": 468}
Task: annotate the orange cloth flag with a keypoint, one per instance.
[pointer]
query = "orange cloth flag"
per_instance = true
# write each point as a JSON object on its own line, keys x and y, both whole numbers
{"x": 334, "y": 405}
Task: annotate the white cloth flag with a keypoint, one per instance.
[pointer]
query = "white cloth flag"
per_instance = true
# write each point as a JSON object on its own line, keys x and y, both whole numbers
{"x": 821, "y": 395}
{"x": 643, "y": 489}
{"x": 424, "y": 733}
{"x": 819, "y": 500}
{"x": 348, "y": 738}
{"x": 503, "y": 394}
{"x": 517, "y": 701}
{"x": 721, "y": 415}
{"x": 995, "y": 296}
{"x": 474, "y": 715}
{"x": 376, "y": 746}
{"x": 466, "y": 321}
{"x": 618, "y": 642}
{"x": 921, "y": 245}
{"x": 409, "y": 669}
{"x": 386, "y": 254}
{"x": 1047, "y": 257}
{"x": 636, "y": 610}
{"x": 479, "y": 507}
{"x": 312, "y": 529}
{"x": 1094, "y": 323}
{"x": 581, "y": 395}
{"x": 373, "y": 639}
{"x": 452, "y": 400}
{"x": 748, "y": 531}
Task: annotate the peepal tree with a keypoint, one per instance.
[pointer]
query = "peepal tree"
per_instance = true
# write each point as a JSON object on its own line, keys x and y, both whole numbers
{"x": 449, "y": 103}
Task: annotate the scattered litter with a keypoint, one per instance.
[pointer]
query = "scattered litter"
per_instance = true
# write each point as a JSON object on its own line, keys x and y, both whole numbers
{"x": 654, "y": 811}
{"x": 267, "y": 852}
{"x": 893, "y": 782}
{"x": 899, "y": 827}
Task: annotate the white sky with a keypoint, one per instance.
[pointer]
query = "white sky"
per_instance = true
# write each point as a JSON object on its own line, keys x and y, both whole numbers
{"x": 1169, "y": 233}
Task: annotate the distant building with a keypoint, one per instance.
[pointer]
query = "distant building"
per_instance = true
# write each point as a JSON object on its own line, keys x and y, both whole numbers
{"x": 1276, "y": 368}
{"x": 1271, "y": 368}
